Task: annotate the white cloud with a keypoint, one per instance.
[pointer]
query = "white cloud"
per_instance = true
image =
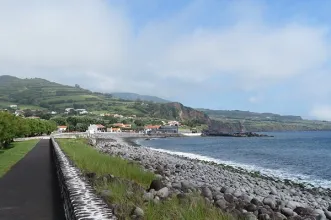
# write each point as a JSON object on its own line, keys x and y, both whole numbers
{"x": 321, "y": 112}
{"x": 94, "y": 44}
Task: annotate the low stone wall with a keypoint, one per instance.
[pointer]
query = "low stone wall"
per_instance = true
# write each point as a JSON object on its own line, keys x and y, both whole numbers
{"x": 80, "y": 201}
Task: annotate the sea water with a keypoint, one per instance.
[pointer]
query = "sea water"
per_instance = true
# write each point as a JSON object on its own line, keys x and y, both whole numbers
{"x": 298, "y": 156}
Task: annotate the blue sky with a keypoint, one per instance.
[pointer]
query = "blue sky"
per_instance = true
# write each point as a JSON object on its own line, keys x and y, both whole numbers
{"x": 264, "y": 56}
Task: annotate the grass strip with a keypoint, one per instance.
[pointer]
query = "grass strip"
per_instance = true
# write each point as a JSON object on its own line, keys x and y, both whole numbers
{"x": 90, "y": 160}
{"x": 10, "y": 156}
{"x": 126, "y": 190}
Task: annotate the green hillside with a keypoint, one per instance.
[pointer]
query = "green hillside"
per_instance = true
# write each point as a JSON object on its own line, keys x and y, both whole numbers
{"x": 38, "y": 93}
{"x": 134, "y": 97}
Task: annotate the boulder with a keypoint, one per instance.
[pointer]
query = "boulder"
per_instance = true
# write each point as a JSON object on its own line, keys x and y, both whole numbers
{"x": 279, "y": 216}
{"x": 327, "y": 214}
{"x": 251, "y": 207}
{"x": 176, "y": 185}
{"x": 287, "y": 212}
{"x": 263, "y": 217}
{"x": 229, "y": 190}
{"x": 229, "y": 198}
{"x": 206, "y": 192}
{"x": 273, "y": 191}
{"x": 303, "y": 211}
{"x": 156, "y": 185}
{"x": 255, "y": 201}
{"x": 163, "y": 193}
{"x": 138, "y": 212}
{"x": 221, "y": 203}
{"x": 270, "y": 202}
{"x": 250, "y": 216}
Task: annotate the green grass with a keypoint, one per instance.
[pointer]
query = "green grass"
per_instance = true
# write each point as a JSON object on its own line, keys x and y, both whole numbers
{"x": 90, "y": 160}
{"x": 9, "y": 157}
{"x": 126, "y": 189}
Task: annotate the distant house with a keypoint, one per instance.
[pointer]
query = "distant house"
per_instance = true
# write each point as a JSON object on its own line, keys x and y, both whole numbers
{"x": 174, "y": 123}
{"x": 121, "y": 125}
{"x": 53, "y": 113}
{"x": 168, "y": 129}
{"x": 96, "y": 128}
{"x": 150, "y": 129}
{"x": 118, "y": 116}
{"x": 67, "y": 110}
{"x": 114, "y": 130}
{"x": 159, "y": 129}
{"x": 61, "y": 128}
{"x": 19, "y": 113}
{"x": 13, "y": 106}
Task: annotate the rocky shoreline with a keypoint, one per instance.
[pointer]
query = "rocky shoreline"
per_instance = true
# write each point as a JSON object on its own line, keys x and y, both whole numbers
{"x": 234, "y": 191}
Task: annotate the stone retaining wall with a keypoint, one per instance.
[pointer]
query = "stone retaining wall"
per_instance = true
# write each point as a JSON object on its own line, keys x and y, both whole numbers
{"x": 80, "y": 201}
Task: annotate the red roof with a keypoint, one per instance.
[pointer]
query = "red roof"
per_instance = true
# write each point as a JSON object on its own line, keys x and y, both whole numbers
{"x": 152, "y": 126}
{"x": 62, "y": 126}
{"x": 100, "y": 126}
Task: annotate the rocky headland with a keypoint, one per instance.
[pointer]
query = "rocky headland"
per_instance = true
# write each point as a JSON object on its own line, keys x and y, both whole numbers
{"x": 240, "y": 193}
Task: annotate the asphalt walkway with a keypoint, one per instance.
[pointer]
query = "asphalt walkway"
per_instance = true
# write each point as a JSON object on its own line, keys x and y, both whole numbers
{"x": 30, "y": 189}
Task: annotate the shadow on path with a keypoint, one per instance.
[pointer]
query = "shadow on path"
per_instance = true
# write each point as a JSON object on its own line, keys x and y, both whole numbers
{"x": 30, "y": 189}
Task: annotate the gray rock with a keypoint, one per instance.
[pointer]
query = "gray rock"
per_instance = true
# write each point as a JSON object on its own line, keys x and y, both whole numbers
{"x": 255, "y": 201}
{"x": 279, "y": 216}
{"x": 287, "y": 212}
{"x": 292, "y": 204}
{"x": 156, "y": 185}
{"x": 229, "y": 198}
{"x": 250, "y": 216}
{"x": 221, "y": 203}
{"x": 263, "y": 217}
{"x": 138, "y": 212}
{"x": 327, "y": 214}
{"x": 245, "y": 198}
{"x": 273, "y": 191}
{"x": 270, "y": 202}
{"x": 206, "y": 192}
{"x": 156, "y": 200}
{"x": 229, "y": 190}
{"x": 163, "y": 193}
{"x": 251, "y": 207}
{"x": 237, "y": 193}
{"x": 303, "y": 211}
{"x": 176, "y": 185}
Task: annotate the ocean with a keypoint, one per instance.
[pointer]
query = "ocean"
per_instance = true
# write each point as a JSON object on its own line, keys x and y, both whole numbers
{"x": 298, "y": 156}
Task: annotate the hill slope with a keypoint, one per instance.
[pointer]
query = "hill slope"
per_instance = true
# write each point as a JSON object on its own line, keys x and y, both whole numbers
{"x": 40, "y": 93}
{"x": 134, "y": 97}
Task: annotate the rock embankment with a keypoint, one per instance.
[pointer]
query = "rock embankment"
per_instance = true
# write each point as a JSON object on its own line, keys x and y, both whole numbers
{"x": 238, "y": 193}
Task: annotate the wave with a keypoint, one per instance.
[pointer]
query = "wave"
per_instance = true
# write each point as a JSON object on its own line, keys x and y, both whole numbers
{"x": 275, "y": 173}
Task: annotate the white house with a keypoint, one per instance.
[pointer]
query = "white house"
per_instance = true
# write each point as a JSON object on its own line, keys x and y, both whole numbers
{"x": 96, "y": 128}
{"x": 61, "y": 128}
{"x": 114, "y": 130}
{"x": 13, "y": 106}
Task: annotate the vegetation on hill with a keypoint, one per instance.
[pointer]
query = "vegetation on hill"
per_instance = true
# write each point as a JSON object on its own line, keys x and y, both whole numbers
{"x": 56, "y": 97}
{"x": 255, "y": 122}
{"x": 12, "y": 126}
{"x": 134, "y": 97}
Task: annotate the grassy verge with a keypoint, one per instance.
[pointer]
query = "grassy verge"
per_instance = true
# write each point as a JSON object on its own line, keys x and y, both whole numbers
{"x": 126, "y": 189}
{"x": 10, "y": 156}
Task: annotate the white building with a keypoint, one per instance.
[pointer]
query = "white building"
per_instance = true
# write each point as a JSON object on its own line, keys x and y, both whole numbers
{"x": 96, "y": 128}
{"x": 61, "y": 128}
{"x": 13, "y": 106}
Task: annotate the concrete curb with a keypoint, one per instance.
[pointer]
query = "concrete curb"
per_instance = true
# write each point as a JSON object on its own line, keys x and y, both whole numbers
{"x": 80, "y": 201}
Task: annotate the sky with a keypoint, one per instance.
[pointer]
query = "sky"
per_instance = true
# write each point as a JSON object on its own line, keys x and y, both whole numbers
{"x": 262, "y": 56}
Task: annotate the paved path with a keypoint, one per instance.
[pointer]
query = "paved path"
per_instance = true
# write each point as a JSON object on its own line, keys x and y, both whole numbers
{"x": 29, "y": 190}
